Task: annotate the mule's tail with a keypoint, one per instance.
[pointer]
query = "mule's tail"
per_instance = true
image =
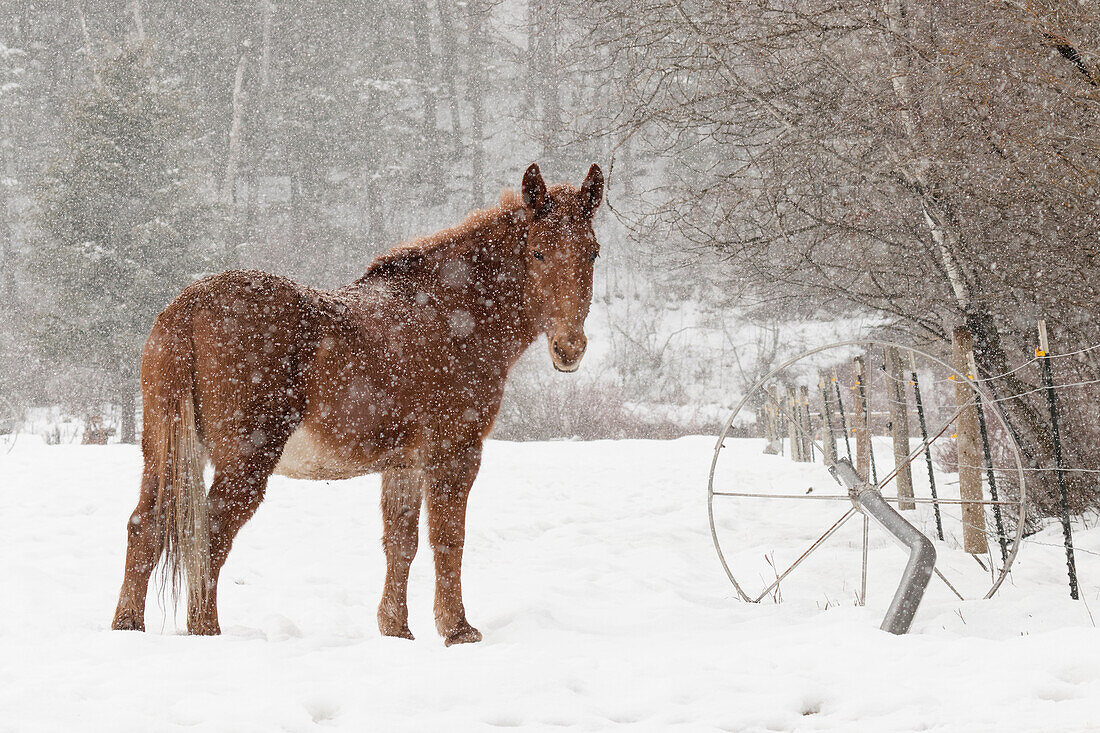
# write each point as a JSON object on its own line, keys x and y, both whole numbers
{"x": 182, "y": 513}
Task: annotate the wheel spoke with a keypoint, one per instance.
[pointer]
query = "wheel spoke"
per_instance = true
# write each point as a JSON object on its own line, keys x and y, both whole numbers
{"x": 929, "y": 500}
{"x": 925, "y": 445}
{"x": 948, "y": 583}
{"x": 826, "y": 497}
{"x": 844, "y": 497}
{"x": 863, "y": 577}
{"x": 817, "y": 543}
{"x": 918, "y": 450}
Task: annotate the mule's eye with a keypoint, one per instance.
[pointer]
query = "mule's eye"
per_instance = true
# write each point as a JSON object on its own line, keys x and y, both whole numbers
{"x": 538, "y": 255}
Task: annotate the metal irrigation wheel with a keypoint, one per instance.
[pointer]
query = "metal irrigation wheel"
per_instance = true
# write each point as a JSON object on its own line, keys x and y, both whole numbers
{"x": 965, "y": 575}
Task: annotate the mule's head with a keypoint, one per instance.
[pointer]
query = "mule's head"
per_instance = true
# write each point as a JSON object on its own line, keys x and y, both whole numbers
{"x": 561, "y": 249}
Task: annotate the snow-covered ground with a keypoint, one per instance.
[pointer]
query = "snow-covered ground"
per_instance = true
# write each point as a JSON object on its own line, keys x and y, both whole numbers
{"x": 591, "y": 573}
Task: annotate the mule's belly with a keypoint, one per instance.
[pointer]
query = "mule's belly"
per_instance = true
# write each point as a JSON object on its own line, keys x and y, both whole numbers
{"x": 307, "y": 455}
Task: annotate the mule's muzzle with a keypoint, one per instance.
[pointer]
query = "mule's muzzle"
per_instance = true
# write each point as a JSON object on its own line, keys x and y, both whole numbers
{"x": 566, "y": 350}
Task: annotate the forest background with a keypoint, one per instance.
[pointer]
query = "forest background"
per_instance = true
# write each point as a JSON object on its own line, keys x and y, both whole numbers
{"x": 780, "y": 174}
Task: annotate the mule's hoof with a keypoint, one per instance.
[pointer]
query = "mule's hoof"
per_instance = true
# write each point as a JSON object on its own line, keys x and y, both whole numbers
{"x": 128, "y": 620}
{"x": 393, "y": 620}
{"x": 203, "y": 628}
{"x": 465, "y": 634}
{"x": 401, "y": 632}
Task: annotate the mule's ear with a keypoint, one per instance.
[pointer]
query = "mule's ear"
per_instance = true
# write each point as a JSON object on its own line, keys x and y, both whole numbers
{"x": 535, "y": 197}
{"x": 592, "y": 189}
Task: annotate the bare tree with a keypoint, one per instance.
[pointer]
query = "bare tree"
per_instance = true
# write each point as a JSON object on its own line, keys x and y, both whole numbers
{"x": 932, "y": 162}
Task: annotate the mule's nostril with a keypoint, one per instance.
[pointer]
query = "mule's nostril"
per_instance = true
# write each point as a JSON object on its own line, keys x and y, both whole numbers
{"x": 566, "y": 349}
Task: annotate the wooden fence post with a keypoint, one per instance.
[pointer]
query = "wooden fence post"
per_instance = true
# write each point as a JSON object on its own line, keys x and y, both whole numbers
{"x": 859, "y": 424}
{"x": 780, "y": 418}
{"x": 807, "y": 432}
{"x": 899, "y": 425}
{"x": 829, "y": 443}
{"x": 843, "y": 419}
{"x": 863, "y": 386}
{"x": 794, "y": 422}
{"x": 969, "y": 447}
{"x": 773, "y": 440}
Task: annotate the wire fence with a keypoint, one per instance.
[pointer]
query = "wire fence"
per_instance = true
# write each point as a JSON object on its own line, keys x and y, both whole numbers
{"x": 1053, "y": 470}
{"x": 1043, "y": 360}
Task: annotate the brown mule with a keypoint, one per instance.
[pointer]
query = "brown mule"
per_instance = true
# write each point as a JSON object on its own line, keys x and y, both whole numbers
{"x": 400, "y": 372}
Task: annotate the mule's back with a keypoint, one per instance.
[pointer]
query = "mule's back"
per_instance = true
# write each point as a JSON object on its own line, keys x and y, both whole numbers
{"x": 252, "y": 336}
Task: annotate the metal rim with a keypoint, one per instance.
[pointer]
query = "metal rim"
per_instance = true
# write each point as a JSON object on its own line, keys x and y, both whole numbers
{"x": 988, "y": 401}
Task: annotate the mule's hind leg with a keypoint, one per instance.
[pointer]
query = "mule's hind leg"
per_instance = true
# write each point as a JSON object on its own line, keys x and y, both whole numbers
{"x": 401, "y": 497}
{"x": 234, "y": 497}
{"x": 143, "y": 547}
{"x": 448, "y": 487}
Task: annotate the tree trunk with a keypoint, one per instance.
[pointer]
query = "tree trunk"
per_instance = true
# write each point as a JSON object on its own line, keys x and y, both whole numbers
{"x": 542, "y": 91}
{"x": 228, "y": 194}
{"x": 261, "y": 129}
{"x": 373, "y": 200}
{"x": 89, "y": 49}
{"x": 296, "y": 214}
{"x": 532, "y": 80}
{"x": 139, "y": 22}
{"x": 128, "y": 404}
{"x": 267, "y": 13}
{"x": 476, "y": 14}
{"x": 7, "y": 268}
{"x": 990, "y": 357}
{"x": 450, "y": 70}
{"x": 422, "y": 40}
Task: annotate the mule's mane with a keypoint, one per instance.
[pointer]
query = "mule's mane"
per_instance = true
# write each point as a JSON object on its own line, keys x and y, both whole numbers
{"x": 456, "y": 239}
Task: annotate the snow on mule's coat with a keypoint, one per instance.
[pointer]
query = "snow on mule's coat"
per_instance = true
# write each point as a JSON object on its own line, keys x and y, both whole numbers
{"x": 590, "y": 570}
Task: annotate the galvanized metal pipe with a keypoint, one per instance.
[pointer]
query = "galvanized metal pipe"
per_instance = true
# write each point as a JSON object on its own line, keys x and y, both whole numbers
{"x": 922, "y": 553}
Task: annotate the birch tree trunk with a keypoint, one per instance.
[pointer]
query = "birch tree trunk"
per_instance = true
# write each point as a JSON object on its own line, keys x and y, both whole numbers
{"x": 139, "y": 23}
{"x": 261, "y": 128}
{"x": 89, "y": 49}
{"x": 542, "y": 92}
{"x": 450, "y": 71}
{"x": 229, "y": 184}
{"x": 422, "y": 40}
{"x": 477, "y": 12}
{"x": 267, "y": 15}
{"x": 128, "y": 405}
{"x": 916, "y": 165}
{"x": 7, "y": 267}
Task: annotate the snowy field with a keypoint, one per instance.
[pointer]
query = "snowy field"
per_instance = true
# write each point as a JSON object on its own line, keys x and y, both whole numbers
{"x": 590, "y": 571}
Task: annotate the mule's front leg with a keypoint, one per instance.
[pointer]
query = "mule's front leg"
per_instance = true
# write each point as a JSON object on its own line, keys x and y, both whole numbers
{"x": 448, "y": 491}
{"x": 401, "y": 497}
